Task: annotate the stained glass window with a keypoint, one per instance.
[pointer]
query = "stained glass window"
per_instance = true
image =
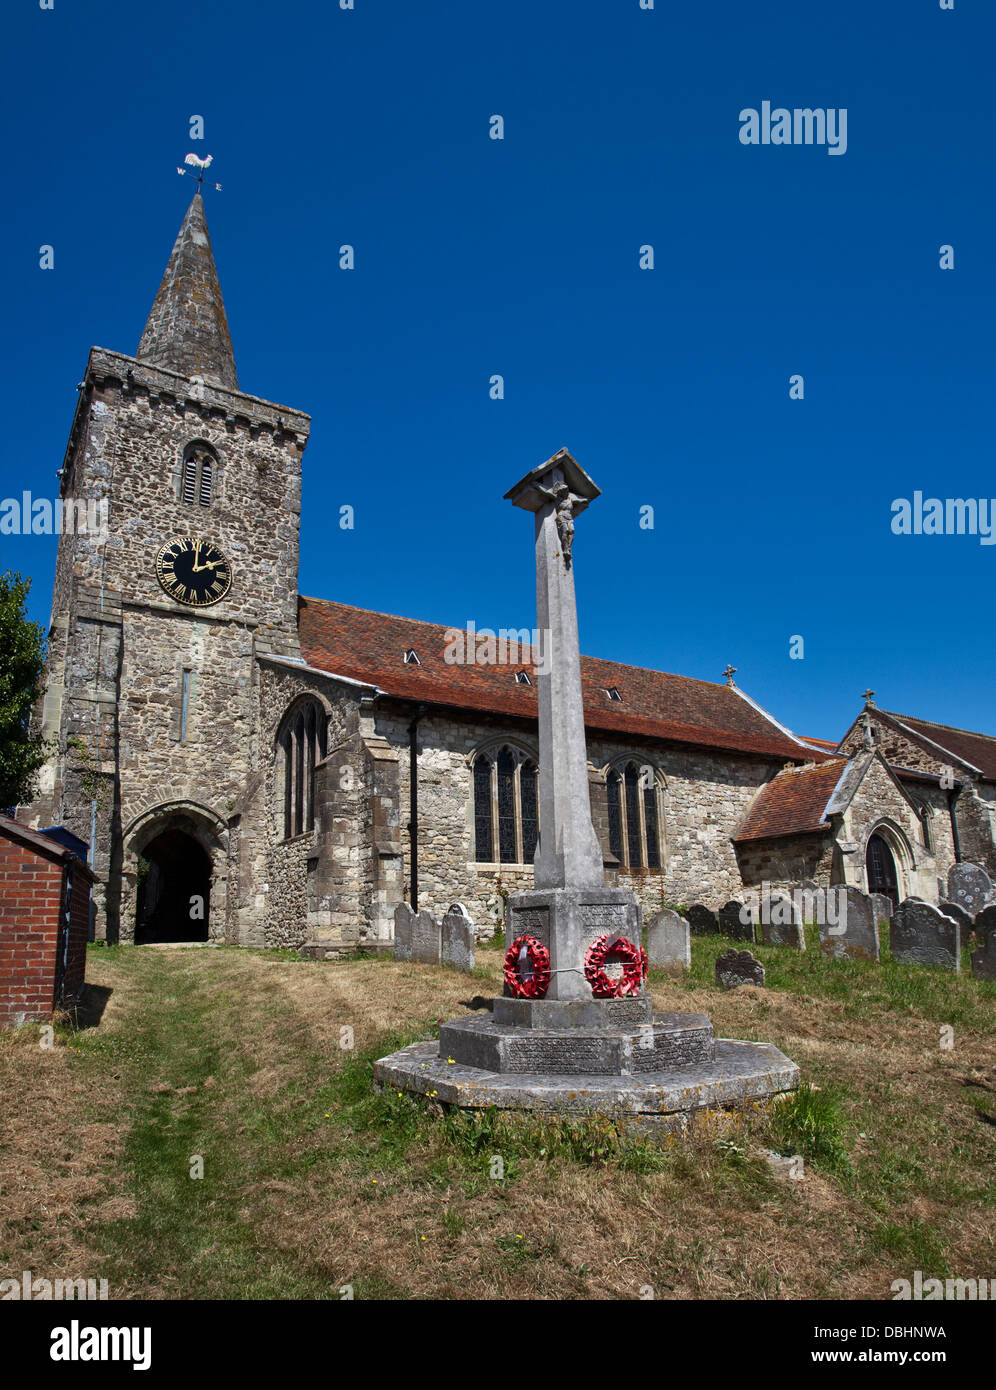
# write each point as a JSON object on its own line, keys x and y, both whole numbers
{"x": 506, "y": 807}
{"x": 507, "y": 779}
{"x": 483, "y": 850}
{"x": 615, "y": 817}
{"x": 530, "y": 820}
{"x": 633, "y": 817}
{"x": 650, "y": 821}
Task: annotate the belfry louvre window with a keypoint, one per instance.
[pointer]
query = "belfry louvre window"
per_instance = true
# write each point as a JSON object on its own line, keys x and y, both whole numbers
{"x": 506, "y": 807}
{"x": 634, "y": 816}
{"x": 303, "y": 744}
{"x": 198, "y": 479}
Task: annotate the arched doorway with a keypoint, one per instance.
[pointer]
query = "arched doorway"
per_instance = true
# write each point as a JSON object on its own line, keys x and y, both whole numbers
{"x": 174, "y": 890}
{"x": 881, "y": 868}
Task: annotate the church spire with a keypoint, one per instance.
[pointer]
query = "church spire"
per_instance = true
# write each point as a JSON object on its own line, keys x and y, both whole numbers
{"x": 187, "y": 330}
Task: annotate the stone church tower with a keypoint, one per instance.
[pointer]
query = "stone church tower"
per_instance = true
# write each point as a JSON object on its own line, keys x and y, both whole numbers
{"x": 151, "y": 688}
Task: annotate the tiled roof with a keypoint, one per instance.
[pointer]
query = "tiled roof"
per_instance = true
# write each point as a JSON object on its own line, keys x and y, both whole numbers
{"x": 829, "y": 744}
{"x": 977, "y": 749}
{"x": 370, "y": 647}
{"x": 792, "y": 803}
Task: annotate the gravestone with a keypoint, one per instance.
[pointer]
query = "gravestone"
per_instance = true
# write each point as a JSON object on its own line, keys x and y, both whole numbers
{"x": 702, "y": 921}
{"x": 854, "y": 933}
{"x": 780, "y": 923}
{"x": 920, "y": 935}
{"x": 984, "y": 959}
{"x": 970, "y": 887}
{"x": 457, "y": 937}
{"x": 668, "y": 942}
{"x": 985, "y": 924}
{"x": 735, "y": 968}
{"x": 403, "y": 919}
{"x": 964, "y": 919}
{"x": 426, "y": 939}
{"x": 883, "y": 907}
{"x": 731, "y": 923}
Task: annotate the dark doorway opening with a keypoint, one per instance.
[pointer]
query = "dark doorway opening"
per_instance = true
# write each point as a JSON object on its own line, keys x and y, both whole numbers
{"x": 882, "y": 876}
{"x": 174, "y": 890}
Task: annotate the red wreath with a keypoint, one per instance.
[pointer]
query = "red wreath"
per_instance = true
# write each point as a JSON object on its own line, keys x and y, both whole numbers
{"x": 539, "y": 960}
{"x": 633, "y": 960}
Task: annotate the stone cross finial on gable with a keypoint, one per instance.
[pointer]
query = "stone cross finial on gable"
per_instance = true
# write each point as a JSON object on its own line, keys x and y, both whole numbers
{"x": 869, "y": 697}
{"x": 729, "y": 673}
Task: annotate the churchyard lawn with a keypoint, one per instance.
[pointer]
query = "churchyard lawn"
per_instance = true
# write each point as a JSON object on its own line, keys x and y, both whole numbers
{"x": 259, "y": 1065}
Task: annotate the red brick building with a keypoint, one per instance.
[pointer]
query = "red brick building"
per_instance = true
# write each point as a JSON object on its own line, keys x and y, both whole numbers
{"x": 44, "y": 923}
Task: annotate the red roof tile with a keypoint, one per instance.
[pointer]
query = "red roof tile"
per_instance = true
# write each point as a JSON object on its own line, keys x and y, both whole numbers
{"x": 793, "y": 802}
{"x": 370, "y": 647}
{"x": 977, "y": 749}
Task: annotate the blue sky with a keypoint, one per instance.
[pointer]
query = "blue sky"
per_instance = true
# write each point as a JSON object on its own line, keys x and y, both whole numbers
{"x": 520, "y": 257}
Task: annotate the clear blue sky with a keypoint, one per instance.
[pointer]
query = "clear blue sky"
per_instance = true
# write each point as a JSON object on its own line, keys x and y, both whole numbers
{"x": 520, "y": 257}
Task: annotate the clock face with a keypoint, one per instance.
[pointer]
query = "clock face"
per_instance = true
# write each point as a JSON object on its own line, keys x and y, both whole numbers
{"x": 193, "y": 571}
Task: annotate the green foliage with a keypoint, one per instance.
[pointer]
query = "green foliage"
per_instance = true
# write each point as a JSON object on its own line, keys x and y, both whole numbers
{"x": 22, "y": 661}
{"x": 916, "y": 1244}
{"x": 810, "y": 1122}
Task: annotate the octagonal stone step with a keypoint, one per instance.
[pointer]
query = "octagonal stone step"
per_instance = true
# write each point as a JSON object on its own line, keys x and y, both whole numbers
{"x": 669, "y": 1042}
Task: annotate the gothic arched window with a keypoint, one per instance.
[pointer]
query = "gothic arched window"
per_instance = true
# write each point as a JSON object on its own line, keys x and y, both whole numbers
{"x": 634, "y": 816}
{"x": 506, "y": 807}
{"x": 198, "y": 480}
{"x": 302, "y": 743}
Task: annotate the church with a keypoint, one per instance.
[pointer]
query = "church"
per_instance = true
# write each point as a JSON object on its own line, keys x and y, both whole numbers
{"x": 253, "y": 766}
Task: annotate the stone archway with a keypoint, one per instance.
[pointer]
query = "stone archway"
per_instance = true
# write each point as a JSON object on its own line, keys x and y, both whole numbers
{"x": 880, "y": 866}
{"x": 890, "y": 867}
{"x": 175, "y": 875}
{"x": 173, "y": 895}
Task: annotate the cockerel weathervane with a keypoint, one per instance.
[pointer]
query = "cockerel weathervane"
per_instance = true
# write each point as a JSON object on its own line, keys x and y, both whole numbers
{"x": 201, "y": 166}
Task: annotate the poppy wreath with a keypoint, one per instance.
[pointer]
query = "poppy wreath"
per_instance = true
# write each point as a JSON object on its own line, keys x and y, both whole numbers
{"x": 539, "y": 960}
{"x": 633, "y": 960}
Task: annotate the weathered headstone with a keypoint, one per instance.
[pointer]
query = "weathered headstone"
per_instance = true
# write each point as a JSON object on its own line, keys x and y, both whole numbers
{"x": 735, "y": 968}
{"x": 732, "y": 923}
{"x": 403, "y": 920}
{"x": 970, "y": 887}
{"x": 985, "y": 924}
{"x": 964, "y": 919}
{"x": 920, "y": 935}
{"x": 853, "y": 932}
{"x": 457, "y": 938}
{"x": 780, "y": 923}
{"x": 426, "y": 939}
{"x": 702, "y": 921}
{"x": 984, "y": 959}
{"x": 883, "y": 907}
{"x": 668, "y": 942}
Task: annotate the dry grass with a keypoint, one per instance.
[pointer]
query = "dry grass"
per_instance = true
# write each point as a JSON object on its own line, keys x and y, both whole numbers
{"x": 312, "y": 1182}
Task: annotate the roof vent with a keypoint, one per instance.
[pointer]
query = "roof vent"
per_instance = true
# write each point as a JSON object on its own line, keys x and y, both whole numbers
{"x": 411, "y": 657}
{"x": 613, "y": 693}
{"x": 522, "y": 678}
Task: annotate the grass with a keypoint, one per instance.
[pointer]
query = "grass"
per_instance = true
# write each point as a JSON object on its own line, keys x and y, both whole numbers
{"x": 238, "y": 1064}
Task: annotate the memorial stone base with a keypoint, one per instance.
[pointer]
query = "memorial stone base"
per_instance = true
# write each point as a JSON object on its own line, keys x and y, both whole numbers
{"x": 573, "y": 1055}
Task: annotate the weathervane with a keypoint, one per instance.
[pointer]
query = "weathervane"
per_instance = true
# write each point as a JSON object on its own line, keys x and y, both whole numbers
{"x": 202, "y": 165}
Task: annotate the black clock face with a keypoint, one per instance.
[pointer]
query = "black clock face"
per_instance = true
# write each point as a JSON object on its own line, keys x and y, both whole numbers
{"x": 193, "y": 571}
